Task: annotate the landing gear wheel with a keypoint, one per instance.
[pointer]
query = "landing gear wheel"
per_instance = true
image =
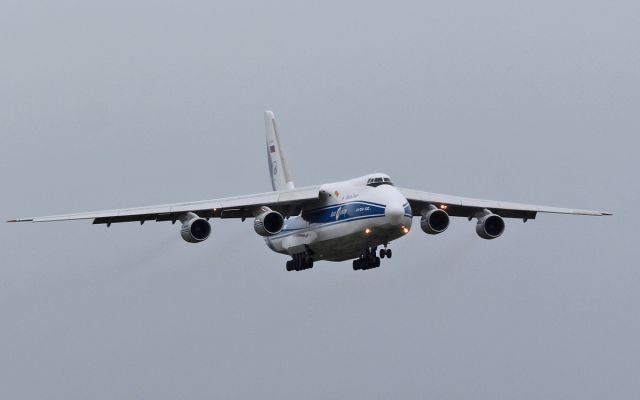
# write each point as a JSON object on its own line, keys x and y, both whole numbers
{"x": 307, "y": 264}
{"x": 382, "y": 253}
{"x": 376, "y": 262}
{"x": 356, "y": 264}
{"x": 388, "y": 253}
{"x": 300, "y": 262}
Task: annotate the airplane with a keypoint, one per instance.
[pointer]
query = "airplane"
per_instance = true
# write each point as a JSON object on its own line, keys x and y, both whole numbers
{"x": 354, "y": 219}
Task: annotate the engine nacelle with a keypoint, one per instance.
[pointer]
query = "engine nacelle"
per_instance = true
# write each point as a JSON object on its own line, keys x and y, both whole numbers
{"x": 490, "y": 226}
{"x": 195, "y": 229}
{"x": 434, "y": 221}
{"x": 268, "y": 222}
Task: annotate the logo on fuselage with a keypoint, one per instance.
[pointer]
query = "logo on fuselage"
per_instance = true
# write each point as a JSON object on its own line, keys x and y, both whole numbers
{"x": 339, "y": 213}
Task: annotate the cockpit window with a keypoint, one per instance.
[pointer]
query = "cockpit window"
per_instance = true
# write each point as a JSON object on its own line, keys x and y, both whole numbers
{"x": 379, "y": 181}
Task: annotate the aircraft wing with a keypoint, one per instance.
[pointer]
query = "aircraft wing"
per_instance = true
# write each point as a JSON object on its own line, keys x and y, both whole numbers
{"x": 287, "y": 202}
{"x": 467, "y": 207}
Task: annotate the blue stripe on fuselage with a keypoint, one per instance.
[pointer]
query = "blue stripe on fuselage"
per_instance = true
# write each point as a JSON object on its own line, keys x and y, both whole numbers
{"x": 345, "y": 203}
{"x": 288, "y": 232}
{"x": 408, "y": 212}
{"x": 337, "y": 213}
{"x": 344, "y": 211}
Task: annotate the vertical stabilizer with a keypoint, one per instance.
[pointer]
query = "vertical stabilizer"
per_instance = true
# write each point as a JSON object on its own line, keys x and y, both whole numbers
{"x": 280, "y": 177}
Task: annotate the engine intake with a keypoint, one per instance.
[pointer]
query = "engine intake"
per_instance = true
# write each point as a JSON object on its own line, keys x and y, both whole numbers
{"x": 434, "y": 221}
{"x": 194, "y": 229}
{"x": 490, "y": 226}
{"x": 268, "y": 222}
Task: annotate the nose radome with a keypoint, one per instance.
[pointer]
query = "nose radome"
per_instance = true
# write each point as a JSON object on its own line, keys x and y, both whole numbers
{"x": 394, "y": 212}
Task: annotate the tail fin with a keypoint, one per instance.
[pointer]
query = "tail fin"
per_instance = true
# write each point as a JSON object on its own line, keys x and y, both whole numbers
{"x": 280, "y": 178}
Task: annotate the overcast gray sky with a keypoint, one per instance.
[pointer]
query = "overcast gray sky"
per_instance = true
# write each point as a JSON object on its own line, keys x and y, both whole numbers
{"x": 127, "y": 103}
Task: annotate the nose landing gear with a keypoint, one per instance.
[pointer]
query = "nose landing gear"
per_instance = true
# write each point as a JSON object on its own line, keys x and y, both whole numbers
{"x": 385, "y": 253}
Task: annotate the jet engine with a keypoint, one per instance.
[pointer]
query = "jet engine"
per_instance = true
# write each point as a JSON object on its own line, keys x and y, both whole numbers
{"x": 490, "y": 226}
{"x": 194, "y": 229}
{"x": 434, "y": 221}
{"x": 268, "y": 222}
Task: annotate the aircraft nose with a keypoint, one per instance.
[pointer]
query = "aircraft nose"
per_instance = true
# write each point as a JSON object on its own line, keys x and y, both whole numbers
{"x": 394, "y": 212}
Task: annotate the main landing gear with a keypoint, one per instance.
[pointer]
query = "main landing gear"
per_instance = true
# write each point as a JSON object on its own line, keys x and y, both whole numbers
{"x": 369, "y": 259}
{"x": 300, "y": 262}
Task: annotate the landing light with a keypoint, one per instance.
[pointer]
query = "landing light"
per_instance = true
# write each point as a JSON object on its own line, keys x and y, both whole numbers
{"x": 367, "y": 231}
{"x": 443, "y": 206}
{"x": 405, "y": 229}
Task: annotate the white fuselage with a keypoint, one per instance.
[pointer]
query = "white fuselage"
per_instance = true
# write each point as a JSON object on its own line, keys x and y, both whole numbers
{"x": 349, "y": 218}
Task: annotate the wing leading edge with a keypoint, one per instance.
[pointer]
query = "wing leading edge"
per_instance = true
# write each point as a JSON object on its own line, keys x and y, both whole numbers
{"x": 290, "y": 202}
{"x": 287, "y": 202}
{"x": 468, "y": 207}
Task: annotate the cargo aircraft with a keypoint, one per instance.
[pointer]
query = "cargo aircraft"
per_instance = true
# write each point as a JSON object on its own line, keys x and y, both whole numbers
{"x": 353, "y": 219}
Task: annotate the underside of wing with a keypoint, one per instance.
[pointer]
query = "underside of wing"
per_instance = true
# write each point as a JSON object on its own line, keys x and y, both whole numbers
{"x": 467, "y": 207}
{"x": 287, "y": 202}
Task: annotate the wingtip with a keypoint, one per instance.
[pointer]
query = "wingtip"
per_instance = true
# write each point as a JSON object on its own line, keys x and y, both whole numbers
{"x": 12, "y": 220}
{"x": 606, "y": 213}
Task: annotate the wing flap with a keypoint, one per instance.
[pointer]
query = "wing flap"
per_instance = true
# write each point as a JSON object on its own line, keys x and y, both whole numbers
{"x": 468, "y": 207}
{"x": 230, "y": 207}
